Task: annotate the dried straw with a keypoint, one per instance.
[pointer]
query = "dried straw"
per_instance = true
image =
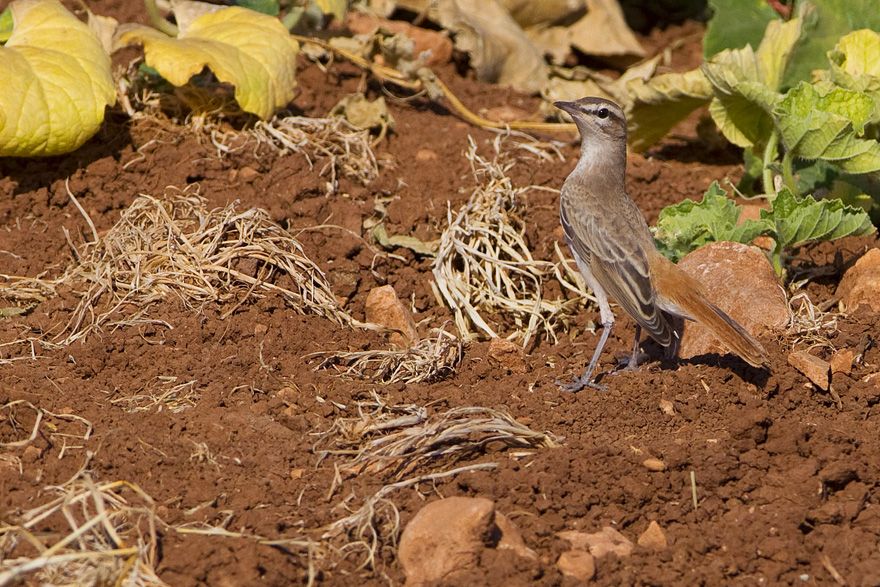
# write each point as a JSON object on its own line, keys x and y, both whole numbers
{"x": 485, "y": 266}
{"x": 175, "y": 246}
{"x": 431, "y": 359}
{"x": 111, "y": 539}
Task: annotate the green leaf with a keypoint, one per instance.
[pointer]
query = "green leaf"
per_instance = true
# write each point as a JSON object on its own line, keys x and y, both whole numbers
{"x": 270, "y": 7}
{"x": 746, "y": 84}
{"x": 735, "y": 24}
{"x": 56, "y": 81}
{"x": 660, "y": 103}
{"x": 6, "y": 25}
{"x": 798, "y": 221}
{"x": 688, "y": 225}
{"x": 826, "y": 21}
{"x": 823, "y": 121}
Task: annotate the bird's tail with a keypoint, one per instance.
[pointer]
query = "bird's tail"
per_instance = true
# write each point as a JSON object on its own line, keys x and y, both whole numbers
{"x": 679, "y": 290}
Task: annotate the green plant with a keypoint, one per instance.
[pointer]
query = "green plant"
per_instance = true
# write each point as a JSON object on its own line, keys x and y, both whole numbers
{"x": 814, "y": 128}
{"x": 791, "y": 222}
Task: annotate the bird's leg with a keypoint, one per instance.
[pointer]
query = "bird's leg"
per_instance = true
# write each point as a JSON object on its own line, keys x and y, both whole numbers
{"x": 632, "y": 363}
{"x": 586, "y": 380}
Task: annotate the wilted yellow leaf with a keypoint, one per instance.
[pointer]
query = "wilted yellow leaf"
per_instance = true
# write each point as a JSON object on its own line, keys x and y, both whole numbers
{"x": 335, "y": 7}
{"x": 56, "y": 82}
{"x": 251, "y": 51}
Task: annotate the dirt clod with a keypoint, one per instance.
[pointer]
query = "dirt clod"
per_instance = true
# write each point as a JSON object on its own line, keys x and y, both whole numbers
{"x": 842, "y": 361}
{"x": 606, "y": 541}
{"x": 653, "y": 464}
{"x": 508, "y": 355}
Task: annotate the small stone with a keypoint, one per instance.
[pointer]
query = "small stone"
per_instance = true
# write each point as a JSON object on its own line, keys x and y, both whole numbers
{"x": 288, "y": 394}
{"x": 444, "y": 537}
{"x": 841, "y": 361}
{"x": 606, "y": 541}
{"x": 508, "y": 355}
{"x": 816, "y": 369}
{"x": 248, "y": 174}
{"x": 426, "y": 155}
{"x": 653, "y": 537}
{"x": 505, "y": 114}
{"x": 861, "y": 283}
{"x": 738, "y": 279}
{"x": 653, "y": 464}
{"x": 383, "y": 307}
{"x": 667, "y": 407}
{"x": 296, "y": 474}
{"x": 260, "y": 329}
{"x": 511, "y": 539}
{"x": 577, "y": 564}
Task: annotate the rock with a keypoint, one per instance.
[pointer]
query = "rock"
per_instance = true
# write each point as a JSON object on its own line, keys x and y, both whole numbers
{"x": 260, "y": 329}
{"x": 667, "y": 407}
{"x": 842, "y": 360}
{"x": 426, "y": 155}
{"x": 653, "y": 464}
{"x": 817, "y": 370}
{"x": 861, "y": 283}
{"x": 577, "y": 564}
{"x": 653, "y": 537}
{"x": 31, "y": 454}
{"x": 511, "y": 539}
{"x": 739, "y": 280}
{"x": 599, "y": 544}
{"x": 449, "y": 535}
{"x": 383, "y": 307}
{"x": 248, "y": 174}
{"x": 445, "y": 536}
{"x": 438, "y": 43}
{"x": 507, "y": 354}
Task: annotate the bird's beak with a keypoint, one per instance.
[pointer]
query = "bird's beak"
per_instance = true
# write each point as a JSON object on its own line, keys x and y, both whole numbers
{"x": 569, "y": 107}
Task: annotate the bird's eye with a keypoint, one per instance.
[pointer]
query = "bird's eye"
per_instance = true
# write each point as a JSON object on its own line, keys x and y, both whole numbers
{"x": 602, "y": 112}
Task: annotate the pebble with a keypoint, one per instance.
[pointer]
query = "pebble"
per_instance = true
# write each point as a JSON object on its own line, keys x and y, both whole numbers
{"x": 606, "y": 541}
{"x": 653, "y": 464}
{"x": 667, "y": 407}
{"x": 383, "y": 307}
{"x": 577, "y": 564}
{"x": 653, "y": 537}
{"x": 842, "y": 360}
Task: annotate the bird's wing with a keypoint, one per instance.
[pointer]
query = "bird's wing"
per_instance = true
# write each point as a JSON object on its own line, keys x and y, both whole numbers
{"x": 609, "y": 243}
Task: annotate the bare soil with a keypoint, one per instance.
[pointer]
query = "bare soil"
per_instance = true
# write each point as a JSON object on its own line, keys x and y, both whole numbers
{"x": 786, "y": 477}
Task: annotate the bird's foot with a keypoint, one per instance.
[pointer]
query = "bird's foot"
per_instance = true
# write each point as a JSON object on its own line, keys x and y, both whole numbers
{"x": 579, "y": 383}
{"x": 630, "y": 362}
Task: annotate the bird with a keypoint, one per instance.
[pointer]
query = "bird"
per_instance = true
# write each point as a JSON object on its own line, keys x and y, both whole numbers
{"x": 615, "y": 251}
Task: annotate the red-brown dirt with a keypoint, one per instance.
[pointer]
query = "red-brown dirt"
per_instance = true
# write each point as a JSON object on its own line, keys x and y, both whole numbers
{"x": 786, "y": 478}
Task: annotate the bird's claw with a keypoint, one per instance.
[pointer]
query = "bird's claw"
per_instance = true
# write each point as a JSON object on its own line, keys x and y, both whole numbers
{"x": 580, "y": 383}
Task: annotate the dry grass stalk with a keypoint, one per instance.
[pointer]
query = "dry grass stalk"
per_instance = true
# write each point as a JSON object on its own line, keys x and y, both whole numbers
{"x": 431, "y": 359}
{"x": 14, "y": 414}
{"x": 399, "y": 439}
{"x": 165, "y": 394}
{"x": 175, "y": 246}
{"x": 808, "y": 325}
{"x": 213, "y": 116}
{"x": 484, "y": 265}
{"x": 110, "y": 538}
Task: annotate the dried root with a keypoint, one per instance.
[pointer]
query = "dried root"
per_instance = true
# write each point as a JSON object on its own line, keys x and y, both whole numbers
{"x": 165, "y": 394}
{"x": 429, "y": 360}
{"x": 177, "y": 247}
{"x": 484, "y": 264}
{"x": 810, "y": 327}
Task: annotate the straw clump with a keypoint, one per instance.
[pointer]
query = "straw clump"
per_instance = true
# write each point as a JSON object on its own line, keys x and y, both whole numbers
{"x": 484, "y": 266}
{"x": 176, "y": 246}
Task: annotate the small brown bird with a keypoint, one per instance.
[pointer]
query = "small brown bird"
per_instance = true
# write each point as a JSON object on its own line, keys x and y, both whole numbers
{"x": 615, "y": 251}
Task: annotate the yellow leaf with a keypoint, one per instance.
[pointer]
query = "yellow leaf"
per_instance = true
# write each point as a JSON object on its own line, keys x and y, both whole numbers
{"x": 335, "y": 7}
{"x": 251, "y": 51}
{"x": 56, "y": 82}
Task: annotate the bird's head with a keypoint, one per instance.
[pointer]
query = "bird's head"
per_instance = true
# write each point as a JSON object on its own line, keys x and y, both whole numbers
{"x": 597, "y": 119}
